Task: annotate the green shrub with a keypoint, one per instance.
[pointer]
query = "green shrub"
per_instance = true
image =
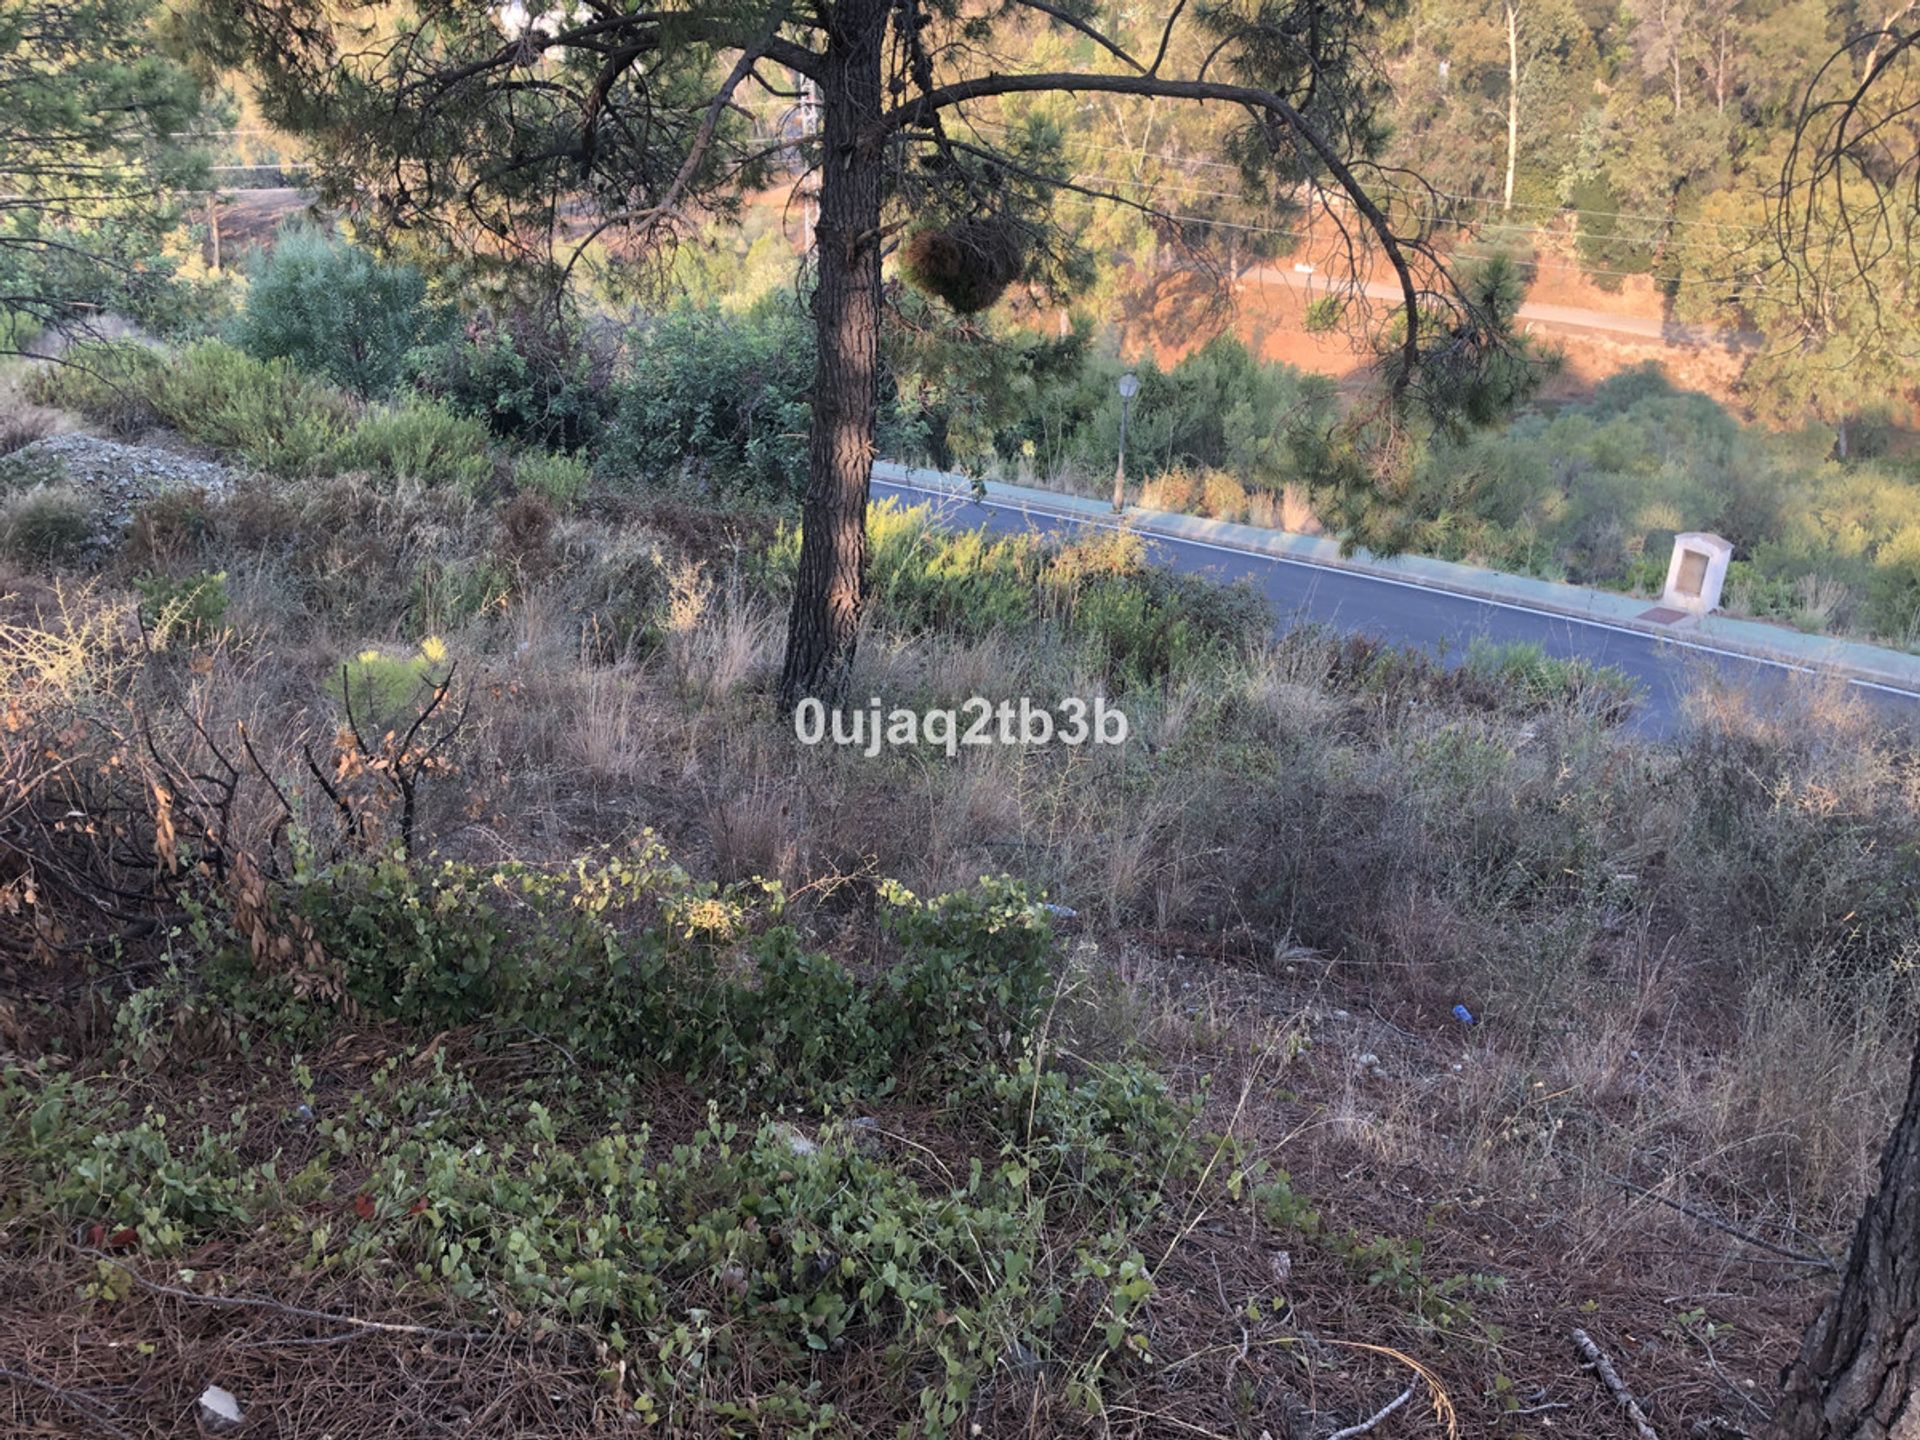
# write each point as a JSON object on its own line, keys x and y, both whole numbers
{"x": 264, "y": 411}
{"x": 334, "y": 311}
{"x": 1138, "y": 622}
{"x": 191, "y": 609}
{"x": 1219, "y": 409}
{"x": 109, "y": 381}
{"x": 1139, "y": 628}
{"x": 1323, "y": 314}
{"x": 626, "y": 959}
{"x": 49, "y": 523}
{"x": 923, "y": 578}
{"x": 1893, "y": 593}
{"x": 421, "y": 441}
{"x": 713, "y": 399}
{"x": 1524, "y": 676}
{"x": 383, "y": 690}
{"x": 1092, "y": 1141}
{"x": 534, "y": 379}
{"x": 445, "y": 594}
{"x": 560, "y": 479}
{"x": 80, "y": 1153}
{"x": 809, "y": 1247}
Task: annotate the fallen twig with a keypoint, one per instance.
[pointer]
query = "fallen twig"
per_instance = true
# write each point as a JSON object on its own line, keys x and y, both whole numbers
{"x": 1797, "y": 1256}
{"x": 1382, "y": 1413}
{"x": 1598, "y": 1363}
{"x": 92, "y": 1409}
{"x": 299, "y": 1312}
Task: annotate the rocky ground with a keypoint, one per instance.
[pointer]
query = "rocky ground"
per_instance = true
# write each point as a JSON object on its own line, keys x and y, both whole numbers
{"x": 120, "y": 476}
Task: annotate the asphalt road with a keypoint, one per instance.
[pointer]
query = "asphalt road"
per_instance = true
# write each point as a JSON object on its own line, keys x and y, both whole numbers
{"x": 1446, "y": 625}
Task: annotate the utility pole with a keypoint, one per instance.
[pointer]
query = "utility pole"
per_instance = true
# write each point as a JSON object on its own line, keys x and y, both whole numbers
{"x": 1129, "y": 387}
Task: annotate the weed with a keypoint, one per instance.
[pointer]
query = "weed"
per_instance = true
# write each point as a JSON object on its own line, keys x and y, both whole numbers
{"x": 49, "y": 524}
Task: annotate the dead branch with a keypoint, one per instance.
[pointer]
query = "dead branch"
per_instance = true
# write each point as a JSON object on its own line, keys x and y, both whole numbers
{"x": 1714, "y": 1222}
{"x": 297, "y": 1312}
{"x": 92, "y": 1409}
{"x": 1371, "y": 1421}
{"x": 1598, "y": 1362}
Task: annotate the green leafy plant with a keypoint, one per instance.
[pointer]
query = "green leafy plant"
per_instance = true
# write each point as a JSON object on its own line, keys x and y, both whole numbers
{"x": 106, "y": 380}
{"x": 534, "y": 378}
{"x": 382, "y": 689}
{"x": 560, "y": 479}
{"x": 713, "y": 400}
{"x": 420, "y": 441}
{"x": 265, "y": 411}
{"x": 190, "y": 608}
{"x": 335, "y": 311}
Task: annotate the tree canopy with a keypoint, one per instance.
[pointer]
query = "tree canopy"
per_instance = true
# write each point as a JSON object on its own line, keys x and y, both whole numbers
{"x": 95, "y": 144}
{"x": 499, "y": 131}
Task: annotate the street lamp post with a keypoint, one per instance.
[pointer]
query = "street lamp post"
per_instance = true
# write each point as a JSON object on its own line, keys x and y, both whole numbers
{"x": 1129, "y": 387}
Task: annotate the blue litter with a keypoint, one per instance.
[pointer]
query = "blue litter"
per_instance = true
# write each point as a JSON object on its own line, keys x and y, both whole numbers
{"x": 1463, "y": 1015}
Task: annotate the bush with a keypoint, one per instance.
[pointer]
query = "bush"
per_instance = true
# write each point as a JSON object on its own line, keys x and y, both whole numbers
{"x": 558, "y": 479}
{"x": 626, "y": 959}
{"x": 264, "y": 411}
{"x": 1222, "y": 496}
{"x": 921, "y": 578}
{"x": 191, "y": 609}
{"x": 713, "y": 399}
{"x": 1219, "y": 409}
{"x": 49, "y": 523}
{"x": 106, "y": 380}
{"x": 422, "y": 441}
{"x": 1143, "y": 625}
{"x": 1175, "y": 490}
{"x": 783, "y": 1257}
{"x": 534, "y": 379}
{"x": 175, "y": 524}
{"x": 26, "y": 425}
{"x": 382, "y": 690}
{"x": 1893, "y": 594}
{"x": 334, "y": 311}
{"x": 1525, "y": 677}
{"x": 1138, "y": 622}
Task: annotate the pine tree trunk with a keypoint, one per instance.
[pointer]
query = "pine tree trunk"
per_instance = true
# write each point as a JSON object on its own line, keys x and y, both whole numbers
{"x": 829, "y": 588}
{"x": 1860, "y": 1361}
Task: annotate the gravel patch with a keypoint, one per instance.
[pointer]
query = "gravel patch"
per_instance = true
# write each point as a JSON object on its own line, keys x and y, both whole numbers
{"x": 118, "y": 478}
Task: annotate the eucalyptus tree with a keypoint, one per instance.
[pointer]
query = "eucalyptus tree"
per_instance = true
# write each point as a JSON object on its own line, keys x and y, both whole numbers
{"x": 633, "y": 122}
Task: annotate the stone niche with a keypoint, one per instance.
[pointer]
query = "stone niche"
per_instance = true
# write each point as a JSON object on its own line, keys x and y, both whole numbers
{"x": 1697, "y": 572}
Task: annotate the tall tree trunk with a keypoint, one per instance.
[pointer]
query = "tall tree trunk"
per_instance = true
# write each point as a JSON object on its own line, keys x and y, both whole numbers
{"x": 1513, "y": 94}
{"x": 829, "y": 589}
{"x": 1859, "y": 1364}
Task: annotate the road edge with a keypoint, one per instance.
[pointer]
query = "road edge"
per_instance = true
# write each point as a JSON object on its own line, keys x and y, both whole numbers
{"x": 1866, "y": 664}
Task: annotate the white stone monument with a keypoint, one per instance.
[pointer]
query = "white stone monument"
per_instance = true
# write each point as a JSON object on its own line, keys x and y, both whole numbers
{"x": 1697, "y": 572}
